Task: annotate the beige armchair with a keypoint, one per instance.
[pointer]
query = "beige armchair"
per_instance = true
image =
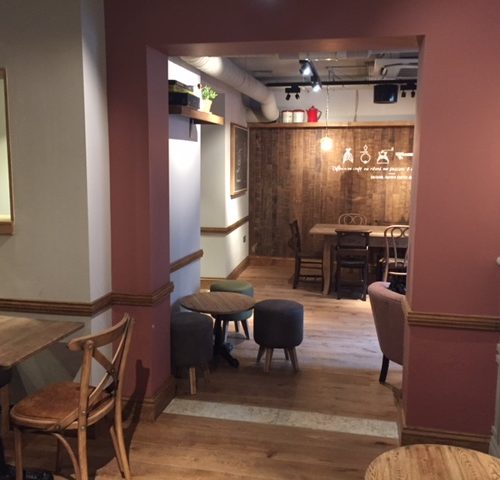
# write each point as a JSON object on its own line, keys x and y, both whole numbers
{"x": 389, "y": 320}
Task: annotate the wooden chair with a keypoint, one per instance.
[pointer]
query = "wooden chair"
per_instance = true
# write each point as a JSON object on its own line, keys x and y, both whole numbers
{"x": 395, "y": 258}
{"x": 307, "y": 265}
{"x": 352, "y": 219}
{"x": 5, "y": 376}
{"x": 352, "y": 253}
{"x": 75, "y": 406}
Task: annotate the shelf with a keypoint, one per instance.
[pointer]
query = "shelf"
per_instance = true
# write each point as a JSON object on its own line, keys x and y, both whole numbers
{"x": 197, "y": 116}
{"x": 400, "y": 123}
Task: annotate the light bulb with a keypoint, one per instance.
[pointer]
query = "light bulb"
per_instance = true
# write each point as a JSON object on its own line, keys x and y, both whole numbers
{"x": 326, "y": 143}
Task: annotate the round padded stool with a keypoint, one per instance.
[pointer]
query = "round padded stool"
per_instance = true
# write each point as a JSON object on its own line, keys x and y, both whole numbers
{"x": 235, "y": 286}
{"x": 192, "y": 343}
{"x": 278, "y": 324}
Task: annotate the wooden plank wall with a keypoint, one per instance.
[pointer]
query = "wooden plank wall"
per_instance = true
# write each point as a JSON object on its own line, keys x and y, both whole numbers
{"x": 291, "y": 178}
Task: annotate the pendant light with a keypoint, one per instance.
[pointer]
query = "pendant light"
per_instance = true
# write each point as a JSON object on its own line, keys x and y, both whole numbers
{"x": 326, "y": 142}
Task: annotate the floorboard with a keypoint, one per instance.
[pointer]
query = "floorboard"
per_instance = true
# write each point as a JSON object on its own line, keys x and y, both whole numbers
{"x": 328, "y": 421}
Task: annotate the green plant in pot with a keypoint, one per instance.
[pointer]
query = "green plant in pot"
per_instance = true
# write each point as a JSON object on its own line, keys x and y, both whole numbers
{"x": 208, "y": 95}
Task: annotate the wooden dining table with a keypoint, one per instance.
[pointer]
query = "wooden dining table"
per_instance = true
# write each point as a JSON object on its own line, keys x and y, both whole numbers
{"x": 23, "y": 337}
{"x": 329, "y": 233}
{"x": 433, "y": 462}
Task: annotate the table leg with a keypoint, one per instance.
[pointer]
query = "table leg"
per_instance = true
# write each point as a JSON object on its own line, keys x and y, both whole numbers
{"x": 220, "y": 348}
{"x": 327, "y": 264}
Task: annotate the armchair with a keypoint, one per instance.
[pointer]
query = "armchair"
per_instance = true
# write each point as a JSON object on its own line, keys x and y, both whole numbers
{"x": 389, "y": 320}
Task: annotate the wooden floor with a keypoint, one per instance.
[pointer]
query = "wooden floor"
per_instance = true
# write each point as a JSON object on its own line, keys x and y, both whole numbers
{"x": 339, "y": 366}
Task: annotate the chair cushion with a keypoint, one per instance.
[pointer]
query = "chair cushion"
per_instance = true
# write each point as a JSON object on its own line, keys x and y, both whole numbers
{"x": 192, "y": 339}
{"x": 234, "y": 286}
{"x": 278, "y": 323}
{"x": 46, "y": 409}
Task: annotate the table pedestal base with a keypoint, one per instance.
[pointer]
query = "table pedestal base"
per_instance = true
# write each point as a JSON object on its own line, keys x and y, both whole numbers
{"x": 222, "y": 349}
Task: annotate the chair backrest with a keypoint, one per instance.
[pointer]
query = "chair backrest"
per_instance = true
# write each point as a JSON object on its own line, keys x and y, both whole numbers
{"x": 352, "y": 219}
{"x": 353, "y": 239}
{"x": 396, "y": 242}
{"x": 295, "y": 243}
{"x": 96, "y": 402}
{"x": 389, "y": 318}
{"x": 352, "y": 243}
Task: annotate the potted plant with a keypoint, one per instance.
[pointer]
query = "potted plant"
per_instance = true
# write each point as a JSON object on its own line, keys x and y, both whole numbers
{"x": 208, "y": 95}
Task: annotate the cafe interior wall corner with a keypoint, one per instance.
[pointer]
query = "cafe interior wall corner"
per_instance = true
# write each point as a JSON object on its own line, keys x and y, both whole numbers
{"x": 184, "y": 191}
{"x": 57, "y": 101}
{"x": 222, "y": 253}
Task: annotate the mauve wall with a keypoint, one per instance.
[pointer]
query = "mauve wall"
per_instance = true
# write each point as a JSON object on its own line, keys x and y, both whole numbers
{"x": 455, "y": 189}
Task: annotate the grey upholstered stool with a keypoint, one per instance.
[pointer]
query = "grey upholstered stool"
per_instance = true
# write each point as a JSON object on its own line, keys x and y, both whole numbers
{"x": 278, "y": 324}
{"x": 235, "y": 286}
{"x": 192, "y": 343}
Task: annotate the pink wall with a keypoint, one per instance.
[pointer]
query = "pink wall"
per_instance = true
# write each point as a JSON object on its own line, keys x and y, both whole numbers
{"x": 455, "y": 220}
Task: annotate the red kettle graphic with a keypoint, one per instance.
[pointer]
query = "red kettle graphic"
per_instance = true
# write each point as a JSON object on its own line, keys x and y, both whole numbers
{"x": 313, "y": 114}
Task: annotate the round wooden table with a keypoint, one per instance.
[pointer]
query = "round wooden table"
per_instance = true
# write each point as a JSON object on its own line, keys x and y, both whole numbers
{"x": 433, "y": 462}
{"x": 215, "y": 304}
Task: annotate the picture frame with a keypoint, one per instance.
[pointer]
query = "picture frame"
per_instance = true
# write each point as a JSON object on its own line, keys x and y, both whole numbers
{"x": 239, "y": 160}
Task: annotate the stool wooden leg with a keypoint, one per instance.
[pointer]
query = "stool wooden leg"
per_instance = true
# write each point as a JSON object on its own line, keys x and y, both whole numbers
{"x": 261, "y": 352}
{"x": 192, "y": 380}
{"x": 224, "y": 330}
{"x": 293, "y": 356}
{"x": 244, "y": 323}
{"x": 269, "y": 357}
{"x": 286, "y": 354}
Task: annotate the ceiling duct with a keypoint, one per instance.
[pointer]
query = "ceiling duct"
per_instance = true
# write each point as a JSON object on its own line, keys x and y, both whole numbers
{"x": 391, "y": 68}
{"x": 232, "y": 75}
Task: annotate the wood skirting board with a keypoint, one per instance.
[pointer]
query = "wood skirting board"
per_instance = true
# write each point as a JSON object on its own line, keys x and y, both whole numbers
{"x": 184, "y": 261}
{"x": 149, "y": 408}
{"x": 87, "y": 309}
{"x": 207, "y": 281}
{"x": 452, "y": 320}
{"x": 413, "y": 435}
{"x": 224, "y": 230}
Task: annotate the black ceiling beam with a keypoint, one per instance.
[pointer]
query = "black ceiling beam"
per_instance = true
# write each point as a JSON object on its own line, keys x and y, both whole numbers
{"x": 342, "y": 82}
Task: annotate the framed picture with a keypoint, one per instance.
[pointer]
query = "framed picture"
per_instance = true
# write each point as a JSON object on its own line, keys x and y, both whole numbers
{"x": 239, "y": 160}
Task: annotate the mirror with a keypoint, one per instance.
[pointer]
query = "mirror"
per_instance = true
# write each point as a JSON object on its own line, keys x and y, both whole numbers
{"x": 6, "y": 204}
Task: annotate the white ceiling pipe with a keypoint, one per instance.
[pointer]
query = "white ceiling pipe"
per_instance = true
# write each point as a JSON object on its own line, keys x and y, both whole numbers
{"x": 232, "y": 75}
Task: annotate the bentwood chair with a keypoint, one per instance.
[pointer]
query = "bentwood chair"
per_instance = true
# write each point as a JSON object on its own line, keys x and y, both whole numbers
{"x": 352, "y": 219}
{"x": 74, "y": 406}
{"x": 308, "y": 266}
{"x": 395, "y": 258}
{"x": 351, "y": 253}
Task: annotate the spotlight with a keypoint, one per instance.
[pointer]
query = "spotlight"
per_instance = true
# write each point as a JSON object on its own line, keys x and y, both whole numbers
{"x": 294, "y": 88}
{"x": 316, "y": 83}
{"x": 305, "y": 67}
{"x": 403, "y": 94}
{"x": 412, "y": 94}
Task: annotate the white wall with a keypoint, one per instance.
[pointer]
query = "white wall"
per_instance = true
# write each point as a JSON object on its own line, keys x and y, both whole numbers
{"x": 184, "y": 177}
{"x": 348, "y": 104}
{"x": 222, "y": 253}
{"x": 54, "y": 54}
{"x": 96, "y": 147}
{"x": 41, "y": 49}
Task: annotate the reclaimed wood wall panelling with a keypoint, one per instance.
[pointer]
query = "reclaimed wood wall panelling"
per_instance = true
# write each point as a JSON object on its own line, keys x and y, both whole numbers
{"x": 290, "y": 177}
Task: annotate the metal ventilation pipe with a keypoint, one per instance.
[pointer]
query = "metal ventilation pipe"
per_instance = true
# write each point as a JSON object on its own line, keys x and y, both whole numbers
{"x": 232, "y": 75}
